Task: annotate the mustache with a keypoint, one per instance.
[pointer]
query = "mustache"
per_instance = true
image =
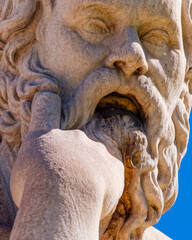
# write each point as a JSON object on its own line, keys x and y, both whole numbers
{"x": 82, "y": 105}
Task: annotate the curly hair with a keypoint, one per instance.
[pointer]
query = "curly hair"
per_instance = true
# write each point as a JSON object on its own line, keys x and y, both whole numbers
{"x": 21, "y": 73}
{"x": 21, "y": 76}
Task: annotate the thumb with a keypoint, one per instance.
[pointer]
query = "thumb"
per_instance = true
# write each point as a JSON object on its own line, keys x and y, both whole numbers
{"x": 45, "y": 111}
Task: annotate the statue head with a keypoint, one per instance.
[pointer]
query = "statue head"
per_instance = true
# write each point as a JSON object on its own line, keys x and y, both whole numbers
{"x": 122, "y": 69}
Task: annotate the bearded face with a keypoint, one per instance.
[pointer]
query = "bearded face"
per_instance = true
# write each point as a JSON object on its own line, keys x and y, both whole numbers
{"x": 121, "y": 80}
{"x": 120, "y": 70}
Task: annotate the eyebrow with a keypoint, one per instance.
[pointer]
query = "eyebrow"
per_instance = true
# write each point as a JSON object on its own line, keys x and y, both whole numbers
{"x": 111, "y": 6}
{"x": 125, "y": 5}
{"x": 99, "y": 9}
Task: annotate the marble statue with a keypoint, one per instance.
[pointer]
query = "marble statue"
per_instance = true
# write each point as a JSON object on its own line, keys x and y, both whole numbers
{"x": 94, "y": 110}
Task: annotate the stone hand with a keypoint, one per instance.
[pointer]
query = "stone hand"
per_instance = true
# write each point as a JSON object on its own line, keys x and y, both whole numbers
{"x": 63, "y": 183}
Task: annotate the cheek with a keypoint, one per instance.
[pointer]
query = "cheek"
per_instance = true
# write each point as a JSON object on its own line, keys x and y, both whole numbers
{"x": 168, "y": 74}
{"x": 71, "y": 58}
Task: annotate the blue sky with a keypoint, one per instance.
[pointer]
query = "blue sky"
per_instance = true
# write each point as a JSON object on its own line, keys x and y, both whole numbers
{"x": 177, "y": 223}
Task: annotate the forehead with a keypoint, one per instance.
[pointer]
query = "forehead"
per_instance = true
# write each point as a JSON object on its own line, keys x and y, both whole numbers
{"x": 146, "y": 8}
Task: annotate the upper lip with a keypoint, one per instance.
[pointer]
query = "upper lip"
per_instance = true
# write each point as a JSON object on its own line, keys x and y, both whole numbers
{"x": 126, "y": 102}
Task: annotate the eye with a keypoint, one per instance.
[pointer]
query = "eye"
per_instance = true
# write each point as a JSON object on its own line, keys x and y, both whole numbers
{"x": 94, "y": 30}
{"x": 95, "y": 26}
{"x": 156, "y": 42}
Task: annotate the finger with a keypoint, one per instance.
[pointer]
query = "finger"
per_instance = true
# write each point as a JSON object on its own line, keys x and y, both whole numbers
{"x": 45, "y": 111}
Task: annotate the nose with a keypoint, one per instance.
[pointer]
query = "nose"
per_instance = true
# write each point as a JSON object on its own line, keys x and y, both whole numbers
{"x": 127, "y": 53}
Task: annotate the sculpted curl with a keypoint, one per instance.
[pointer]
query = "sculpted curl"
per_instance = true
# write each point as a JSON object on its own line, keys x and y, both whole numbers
{"x": 122, "y": 107}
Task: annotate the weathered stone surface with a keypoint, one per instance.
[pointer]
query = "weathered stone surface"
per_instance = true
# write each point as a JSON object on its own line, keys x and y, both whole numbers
{"x": 95, "y": 99}
{"x": 152, "y": 233}
{"x": 4, "y": 233}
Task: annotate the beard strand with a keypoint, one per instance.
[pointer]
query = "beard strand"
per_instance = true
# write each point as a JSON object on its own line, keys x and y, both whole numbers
{"x": 142, "y": 199}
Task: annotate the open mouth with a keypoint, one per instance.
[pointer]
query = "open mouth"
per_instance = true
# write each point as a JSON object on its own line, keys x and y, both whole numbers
{"x": 115, "y": 103}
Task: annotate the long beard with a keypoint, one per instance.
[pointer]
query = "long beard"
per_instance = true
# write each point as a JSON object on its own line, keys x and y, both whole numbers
{"x": 125, "y": 137}
{"x": 141, "y": 204}
{"x": 151, "y": 151}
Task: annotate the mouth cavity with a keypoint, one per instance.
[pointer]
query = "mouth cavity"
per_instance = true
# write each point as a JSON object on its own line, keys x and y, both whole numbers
{"x": 115, "y": 103}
